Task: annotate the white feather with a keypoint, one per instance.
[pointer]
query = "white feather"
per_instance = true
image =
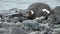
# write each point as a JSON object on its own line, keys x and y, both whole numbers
{"x": 40, "y": 17}
{"x": 32, "y": 12}
{"x": 46, "y": 10}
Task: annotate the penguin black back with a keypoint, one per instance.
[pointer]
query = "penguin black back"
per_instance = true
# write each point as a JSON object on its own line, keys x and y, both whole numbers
{"x": 37, "y": 10}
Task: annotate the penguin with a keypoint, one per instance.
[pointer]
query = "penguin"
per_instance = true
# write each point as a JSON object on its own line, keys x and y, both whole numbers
{"x": 36, "y": 10}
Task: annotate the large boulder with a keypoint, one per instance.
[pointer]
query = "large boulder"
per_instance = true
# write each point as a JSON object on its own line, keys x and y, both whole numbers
{"x": 15, "y": 31}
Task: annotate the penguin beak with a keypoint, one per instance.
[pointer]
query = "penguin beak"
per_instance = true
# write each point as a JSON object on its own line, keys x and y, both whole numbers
{"x": 26, "y": 15}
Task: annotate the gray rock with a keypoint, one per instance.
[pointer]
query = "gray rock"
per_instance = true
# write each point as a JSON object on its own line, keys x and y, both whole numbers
{"x": 7, "y": 24}
{"x": 15, "y": 31}
{"x": 57, "y": 10}
{"x": 2, "y": 30}
{"x": 52, "y": 19}
{"x": 30, "y": 25}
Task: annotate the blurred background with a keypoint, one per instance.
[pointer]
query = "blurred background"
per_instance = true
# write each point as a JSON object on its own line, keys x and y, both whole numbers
{"x": 23, "y": 4}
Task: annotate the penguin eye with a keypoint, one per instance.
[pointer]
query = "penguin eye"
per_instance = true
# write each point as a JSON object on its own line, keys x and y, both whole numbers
{"x": 45, "y": 10}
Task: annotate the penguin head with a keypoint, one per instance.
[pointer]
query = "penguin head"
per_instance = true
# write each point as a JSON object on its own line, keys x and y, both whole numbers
{"x": 28, "y": 13}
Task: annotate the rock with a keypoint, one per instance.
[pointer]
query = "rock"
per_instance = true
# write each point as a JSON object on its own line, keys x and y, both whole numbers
{"x": 57, "y": 10}
{"x": 53, "y": 19}
{"x": 15, "y": 31}
{"x": 2, "y": 30}
{"x": 40, "y": 19}
{"x": 7, "y": 24}
{"x": 30, "y": 25}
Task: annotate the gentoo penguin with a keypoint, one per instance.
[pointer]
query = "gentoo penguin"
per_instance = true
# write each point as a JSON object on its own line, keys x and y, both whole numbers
{"x": 37, "y": 10}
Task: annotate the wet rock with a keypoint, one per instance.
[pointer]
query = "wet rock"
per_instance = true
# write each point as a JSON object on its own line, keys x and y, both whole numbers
{"x": 30, "y": 25}
{"x": 54, "y": 19}
{"x": 57, "y": 10}
{"x": 2, "y": 30}
{"x": 7, "y": 24}
{"x": 15, "y": 31}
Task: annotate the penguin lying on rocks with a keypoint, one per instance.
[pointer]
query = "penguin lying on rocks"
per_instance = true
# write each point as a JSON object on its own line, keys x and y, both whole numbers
{"x": 37, "y": 10}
